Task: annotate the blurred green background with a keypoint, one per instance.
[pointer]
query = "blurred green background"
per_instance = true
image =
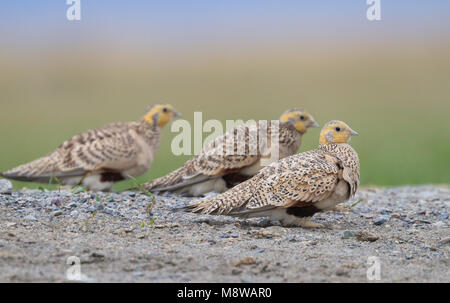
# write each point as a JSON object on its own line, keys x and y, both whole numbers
{"x": 394, "y": 91}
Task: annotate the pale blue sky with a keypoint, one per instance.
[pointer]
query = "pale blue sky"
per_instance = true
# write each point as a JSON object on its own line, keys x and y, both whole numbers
{"x": 173, "y": 23}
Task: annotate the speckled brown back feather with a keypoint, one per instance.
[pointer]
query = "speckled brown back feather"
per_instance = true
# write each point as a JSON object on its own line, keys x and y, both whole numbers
{"x": 113, "y": 147}
{"x": 229, "y": 153}
{"x": 297, "y": 180}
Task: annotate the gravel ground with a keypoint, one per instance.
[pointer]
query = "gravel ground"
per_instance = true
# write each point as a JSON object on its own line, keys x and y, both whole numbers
{"x": 117, "y": 239}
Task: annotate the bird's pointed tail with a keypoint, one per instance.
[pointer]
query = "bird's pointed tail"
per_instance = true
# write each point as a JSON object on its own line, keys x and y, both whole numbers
{"x": 226, "y": 203}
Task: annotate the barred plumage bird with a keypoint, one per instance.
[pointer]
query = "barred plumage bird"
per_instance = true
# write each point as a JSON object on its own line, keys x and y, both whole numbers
{"x": 236, "y": 156}
{"x": 100, "y": 157}
{"x": 296, "y": 187}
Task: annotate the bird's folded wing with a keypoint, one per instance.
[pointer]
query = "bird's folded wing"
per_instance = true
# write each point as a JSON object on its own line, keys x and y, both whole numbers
{"x": 108, "y": 148}
{"x": 299, "y": 179}
{"x": 236, "y": 149}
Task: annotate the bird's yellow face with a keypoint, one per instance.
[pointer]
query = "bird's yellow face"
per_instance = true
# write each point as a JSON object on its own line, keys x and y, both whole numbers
{"x": 336, "y": 132}
{"x": 302, "y": 120}
{"x": 161, "y": 114}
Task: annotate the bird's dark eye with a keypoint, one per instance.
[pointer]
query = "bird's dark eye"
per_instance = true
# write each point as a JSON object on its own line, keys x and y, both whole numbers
{"x": 302, "y": 118}
{"x": 338, "y": 129}
{"x": 165, "y": 110}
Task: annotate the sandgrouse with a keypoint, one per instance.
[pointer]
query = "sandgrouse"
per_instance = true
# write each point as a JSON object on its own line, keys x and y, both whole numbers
{"x": 100, "y": 157}
{"x": 236, "y": 156}
{"x": 292, "y": 189}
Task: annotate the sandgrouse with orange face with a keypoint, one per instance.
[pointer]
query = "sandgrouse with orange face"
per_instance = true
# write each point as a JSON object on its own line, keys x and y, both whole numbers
{"x": 236, "y": 156}
{"x": 293, "y": 189}
{"x": 100, "y": 157}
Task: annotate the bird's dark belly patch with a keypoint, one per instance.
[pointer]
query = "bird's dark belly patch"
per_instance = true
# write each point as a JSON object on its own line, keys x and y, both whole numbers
{"x": 234, "y": 179}
{"x": 111, "y": 177}
{"x": 303, "y": 211}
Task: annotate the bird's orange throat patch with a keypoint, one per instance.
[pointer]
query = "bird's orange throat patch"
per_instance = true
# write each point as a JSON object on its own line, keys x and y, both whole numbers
{"x": 298, "y": 124}
{"x": 329, "y": 135}
{"x": 323, "y": 137}
{"x": 156, "y": 116}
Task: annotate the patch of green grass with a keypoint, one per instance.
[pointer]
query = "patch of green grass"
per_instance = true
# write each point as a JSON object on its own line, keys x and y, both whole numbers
{"x": 354, "y": 204}
{"x": 77, "y": 189}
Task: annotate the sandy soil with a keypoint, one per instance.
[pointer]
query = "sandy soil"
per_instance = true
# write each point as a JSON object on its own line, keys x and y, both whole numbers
{"x": 116, "y": 239}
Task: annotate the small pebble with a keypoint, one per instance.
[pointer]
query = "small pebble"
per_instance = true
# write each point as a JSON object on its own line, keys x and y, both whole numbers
{"x": 109, "y": 211}
{"x": 397, "y": 216}
{"x": 384, "y": 211}
{"x": 30, "y": 217}
{"x": 381, "y": 219}
{"x": 57, "y": 202}
{"x": 444, "y": 216}
{"x": 57, "y": 213}
{"x": 142, "y": 216}
{"x": 72, "y": 205}
{"x": 348, "y": 234}
{"x": 245, "y": 261}
{"x": 364, "y": 235}
{"x": 439, "y": 224}
{"x": 445, "y": 241}
{"x": 98, "y": 206}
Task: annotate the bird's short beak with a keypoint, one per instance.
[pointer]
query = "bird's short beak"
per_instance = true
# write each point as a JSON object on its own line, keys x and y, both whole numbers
{"x": 178, "y": 115}
{"x": 315, "y": 124}
{"x": 354, "y": 133}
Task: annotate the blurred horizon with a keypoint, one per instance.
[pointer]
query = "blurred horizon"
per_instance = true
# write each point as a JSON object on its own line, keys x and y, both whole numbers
{"x": 388, "y": 79}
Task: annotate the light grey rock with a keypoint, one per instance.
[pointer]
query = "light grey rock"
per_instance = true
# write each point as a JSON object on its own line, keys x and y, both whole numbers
{"x": 142, "y": 216}
{"x": 72, "y": 205}
{"x": 347, "y": 234}
{"x": 439, "y": 224}
{"x": 11, "y": 224}
{"x": 110, "y": 211}
{"x": 98, "y": 205}
{"x": 445, "y": 241}
{"x": 444, "y": 216}
{"x": 30, "y": 217}
{"x": 5, "y": 186}
{"x": 57, "y": 213}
